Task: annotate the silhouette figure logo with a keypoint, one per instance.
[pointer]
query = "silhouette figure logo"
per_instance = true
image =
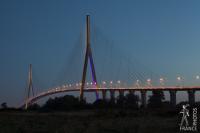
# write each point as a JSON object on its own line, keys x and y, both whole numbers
{"x": 185, "y": 115}
{"x": 184, "y": 125}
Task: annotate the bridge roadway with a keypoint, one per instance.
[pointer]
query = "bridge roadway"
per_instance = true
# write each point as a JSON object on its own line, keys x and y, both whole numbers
{"x": 172, "y": 89}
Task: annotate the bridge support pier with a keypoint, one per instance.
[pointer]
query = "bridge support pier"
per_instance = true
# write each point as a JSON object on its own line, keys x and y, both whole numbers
{"x": 143, "y": 98}
{"x": 131, "y": 91}
{"x": 172, "y": 98}
{"x": 112, "y": 95}
{"x": 104, "y": 94}
{"x": 191, "y": 97}
{"x": 121, "y": 93}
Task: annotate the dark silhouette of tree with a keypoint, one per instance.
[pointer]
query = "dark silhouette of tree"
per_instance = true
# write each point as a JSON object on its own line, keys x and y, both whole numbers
{"x": 111, "y": 103}
{"x": 166, "y": 104}
{"x": 100, "y": 103}
{"x": 120, "y": 101}
{"x": 4, "y": 105}
{"x": 156, "y": 99}
{"x": 131, "y": 101}
{"x": 66, "y": 102}
{"x": 34, "y": 106}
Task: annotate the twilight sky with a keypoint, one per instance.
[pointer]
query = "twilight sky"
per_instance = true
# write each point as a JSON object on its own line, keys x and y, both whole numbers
{"x": 162, "y": 35}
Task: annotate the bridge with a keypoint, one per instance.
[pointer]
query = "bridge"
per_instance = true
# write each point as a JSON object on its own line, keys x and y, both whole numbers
{"x": 108, "y": 86}
{"x": 143, "y": 90}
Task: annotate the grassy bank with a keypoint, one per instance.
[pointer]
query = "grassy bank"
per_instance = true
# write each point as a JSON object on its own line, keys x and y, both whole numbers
{"x": 90, "y": 121}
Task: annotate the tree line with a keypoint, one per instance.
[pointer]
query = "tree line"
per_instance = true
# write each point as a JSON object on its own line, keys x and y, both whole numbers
{"x": 69, "y": 102}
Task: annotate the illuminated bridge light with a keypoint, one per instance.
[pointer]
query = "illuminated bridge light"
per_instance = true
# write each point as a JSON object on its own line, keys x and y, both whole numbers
{"x": 91, "y": 83}
{"x": 104, "y": 82}
{"x": 111, "y": 82}
{"x": 77, "y": 84}
{"x": 118, "y": 81}
{"x": 197, "y": 77}
{"x": 179, "y": 78}
{"x": 161, "y": 79}
{"x": 87, "y": 83}
{"x": 137, "y": 83}
{"x": 149, "y": 80}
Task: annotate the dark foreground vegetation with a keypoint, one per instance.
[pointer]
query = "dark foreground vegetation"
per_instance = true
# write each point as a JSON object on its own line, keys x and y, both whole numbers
{"x": 89, "y": 121}
{"x": 68, "y": 115}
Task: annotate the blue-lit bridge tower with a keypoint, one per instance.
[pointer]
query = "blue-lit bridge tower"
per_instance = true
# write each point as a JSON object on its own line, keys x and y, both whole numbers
{"x": 88, "y": 56}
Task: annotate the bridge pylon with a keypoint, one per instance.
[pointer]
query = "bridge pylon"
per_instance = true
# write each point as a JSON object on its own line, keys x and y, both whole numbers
{"x": 88, "y": 56}
{"x": 29, "y": 88}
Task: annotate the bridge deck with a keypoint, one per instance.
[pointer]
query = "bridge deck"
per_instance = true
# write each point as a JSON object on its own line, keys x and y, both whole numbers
{"x": 60, "y": 90}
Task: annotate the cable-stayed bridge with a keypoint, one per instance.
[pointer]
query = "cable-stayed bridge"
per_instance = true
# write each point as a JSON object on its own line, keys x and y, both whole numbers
{"x": 110, "y": 86}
